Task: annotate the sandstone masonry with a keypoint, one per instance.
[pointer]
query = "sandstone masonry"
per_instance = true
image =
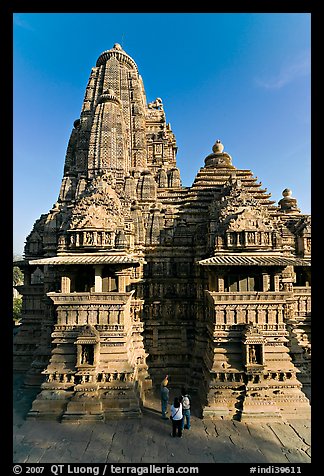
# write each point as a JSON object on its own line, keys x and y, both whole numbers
{"x": 131, "y": 275}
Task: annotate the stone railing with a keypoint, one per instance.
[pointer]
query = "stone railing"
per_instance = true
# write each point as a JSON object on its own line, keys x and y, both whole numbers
{"x": 278, "y": 376}
{"x": 302, "y": 290}
{"x": 88, "y": 298}
{"x": 75, "y": 378}
{"x": 236, "y": 329}
{"x": 249, "y": 296}
{"x": 262, "y": 308}
{"x": 92, "y": 308}
{"x": 302, "y": 301}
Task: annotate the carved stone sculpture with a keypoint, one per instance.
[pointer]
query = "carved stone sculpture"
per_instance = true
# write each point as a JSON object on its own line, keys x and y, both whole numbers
{"x": 131, "y": 275}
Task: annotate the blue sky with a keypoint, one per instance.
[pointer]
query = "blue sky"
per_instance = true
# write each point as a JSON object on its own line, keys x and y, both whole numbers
{"x": 243, "y": 78}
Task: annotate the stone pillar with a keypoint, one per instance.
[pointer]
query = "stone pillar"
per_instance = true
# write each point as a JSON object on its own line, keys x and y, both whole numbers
{"x": 65, "y": 284}
{"x": 123, "y": 280}
{"x": 98, "y": 278}
{"x": 221, "y": 286}
{"x": 265, "y": 282}
{"x": 276, "y": 280}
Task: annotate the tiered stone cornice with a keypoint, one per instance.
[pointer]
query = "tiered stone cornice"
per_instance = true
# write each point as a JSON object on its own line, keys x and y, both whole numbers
{"x": 210, "y": 181}
{"x": 118, "y": 53}
{"x": 109, "y": 95}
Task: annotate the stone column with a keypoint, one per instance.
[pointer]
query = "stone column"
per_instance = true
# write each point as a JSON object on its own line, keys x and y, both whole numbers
{"x": 276, "y": 280}
{"x": 123, "y": 280}
{"x": 221, "y": 285}
{"x": 98, "y": 278}
{"x": 265, "y": 282}
{"x": 65, "y": 284}
{"x": 121, "y": 286}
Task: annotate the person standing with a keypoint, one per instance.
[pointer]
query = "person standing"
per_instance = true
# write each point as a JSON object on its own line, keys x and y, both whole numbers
{"x": 164, "y": 397}
{"x": 176, "y": 418}
{"x": 186, "y": 407}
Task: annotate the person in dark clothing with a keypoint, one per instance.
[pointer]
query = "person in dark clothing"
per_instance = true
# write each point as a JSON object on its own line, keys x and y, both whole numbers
{"x": 164, "y": 397}
{"x": 176, "y": 417}
{"x": 186, "y": 406}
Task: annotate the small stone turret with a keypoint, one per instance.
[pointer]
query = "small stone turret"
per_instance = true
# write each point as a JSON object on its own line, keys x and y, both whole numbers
{"x": 288, "y": 203}
{"x": 218, "y": 158}
{"x": 146, "y": 186}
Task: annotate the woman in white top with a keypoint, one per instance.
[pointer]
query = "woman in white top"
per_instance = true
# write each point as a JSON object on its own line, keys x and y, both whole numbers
{"x": 176, "y": 417}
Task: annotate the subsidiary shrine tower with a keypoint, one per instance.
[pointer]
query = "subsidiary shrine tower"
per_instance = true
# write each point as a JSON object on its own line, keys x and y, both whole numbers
{"x": 131, "y": 276}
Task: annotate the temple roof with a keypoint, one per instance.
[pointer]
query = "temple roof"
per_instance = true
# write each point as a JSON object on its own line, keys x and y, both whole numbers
{"x": 240, "y": 259}
{"x": 92, "y": 258}
{"x": 117, "y": 52}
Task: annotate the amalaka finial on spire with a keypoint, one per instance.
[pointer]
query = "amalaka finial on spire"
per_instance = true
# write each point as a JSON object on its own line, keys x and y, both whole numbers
{"x": 116, "y": 52}
{"x": 288, "y": 203}
{"x": 287, "y": 192}
{"x": 218, "y": 147}
{"x": 219, "y": 158}
{"x": 117, "y": 46}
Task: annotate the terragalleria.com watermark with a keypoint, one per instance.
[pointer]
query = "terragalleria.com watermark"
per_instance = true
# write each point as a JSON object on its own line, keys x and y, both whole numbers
{"x": 105, "y": 469}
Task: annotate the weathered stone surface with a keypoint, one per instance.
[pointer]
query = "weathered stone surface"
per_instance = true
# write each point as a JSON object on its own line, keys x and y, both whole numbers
{"x": 131, "y": 276}
{"x": 148, "y": 440}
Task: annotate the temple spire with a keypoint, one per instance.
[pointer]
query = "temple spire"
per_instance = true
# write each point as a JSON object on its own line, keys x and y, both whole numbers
{"x": 108, "y": 149}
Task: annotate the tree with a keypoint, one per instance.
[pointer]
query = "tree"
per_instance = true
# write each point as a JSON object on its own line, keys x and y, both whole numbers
{"x": 16, "y": 308}
{"x": 17, "y": 276}
{"x": 17, "y": 279}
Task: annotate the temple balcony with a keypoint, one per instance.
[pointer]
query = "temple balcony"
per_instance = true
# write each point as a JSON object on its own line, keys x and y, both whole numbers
{"x": 82, "y": 298}
{"x": 261, "y": 308}
{"x": 302, "y": 291}
{"x": 248, "y": 296}
{"x": 104, "y": 308}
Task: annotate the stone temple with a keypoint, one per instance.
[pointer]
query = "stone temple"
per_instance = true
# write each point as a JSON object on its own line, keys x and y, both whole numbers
{"x": 131, "y": 276}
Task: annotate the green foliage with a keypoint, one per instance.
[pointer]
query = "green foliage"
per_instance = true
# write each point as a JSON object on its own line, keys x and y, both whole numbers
{"x": 16, "y": 308}
{"x": 17, "y": 276}
{"x": 17, "y": 279}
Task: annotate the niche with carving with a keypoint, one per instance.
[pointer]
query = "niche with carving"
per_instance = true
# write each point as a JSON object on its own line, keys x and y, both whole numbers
{"x": 87, "y": 354}
{"x": 254, "y": 354}
{"x": 87, "y": 345}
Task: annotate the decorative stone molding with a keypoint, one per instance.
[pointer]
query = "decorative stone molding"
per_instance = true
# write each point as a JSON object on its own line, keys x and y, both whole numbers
{"x": 127, "y": 256}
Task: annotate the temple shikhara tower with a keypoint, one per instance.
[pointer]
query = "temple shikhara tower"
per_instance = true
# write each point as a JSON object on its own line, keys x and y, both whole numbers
{"x": 131, "y": 276}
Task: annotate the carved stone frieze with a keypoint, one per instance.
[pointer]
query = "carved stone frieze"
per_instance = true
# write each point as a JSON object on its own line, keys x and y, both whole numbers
{"x": 131, "y": 275}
